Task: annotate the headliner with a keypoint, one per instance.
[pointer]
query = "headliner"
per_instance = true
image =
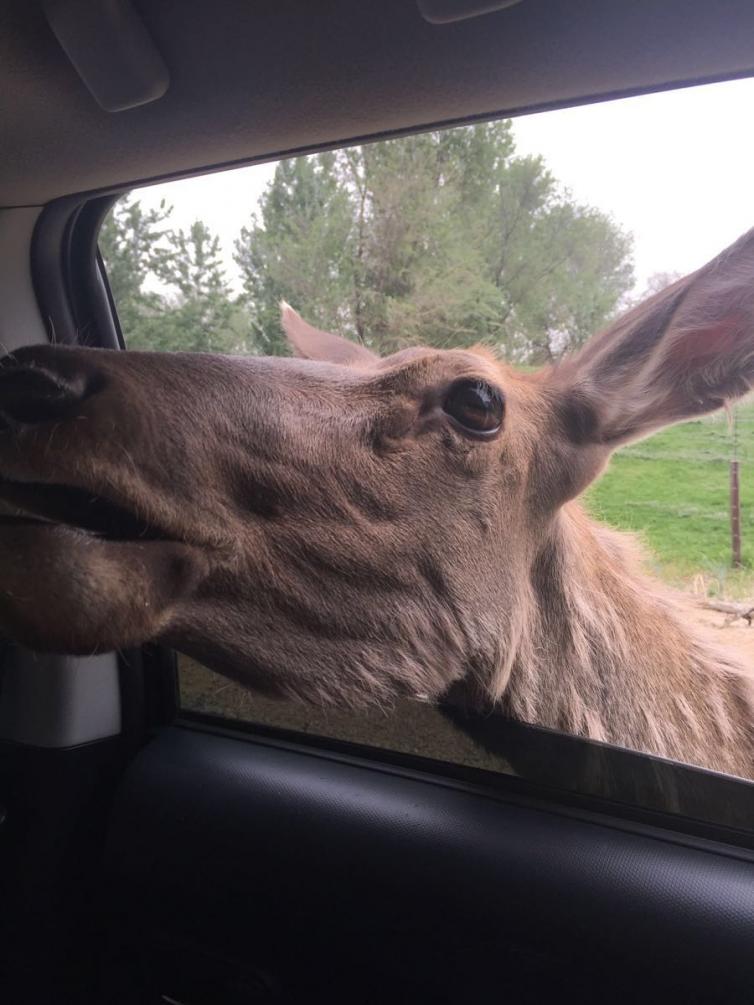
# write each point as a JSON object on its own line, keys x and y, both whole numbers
{"x": 253, "y": 80}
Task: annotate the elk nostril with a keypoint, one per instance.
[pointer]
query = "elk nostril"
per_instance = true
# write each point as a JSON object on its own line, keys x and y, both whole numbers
{"x": 31, "y": 394}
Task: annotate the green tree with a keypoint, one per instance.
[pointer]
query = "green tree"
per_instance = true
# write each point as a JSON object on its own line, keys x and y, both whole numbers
{"x": 296, "y": 248}
{"x": 201, "y": 315}
{"x": 445, "y": 238}
{"x": 134, "y": 244}
{"x": 169, "y": 286}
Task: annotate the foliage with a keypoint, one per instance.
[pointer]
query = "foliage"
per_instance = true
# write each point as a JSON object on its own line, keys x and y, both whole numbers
{"x": 169, "y": 286}
{"x": 446, "y": 238}
{"x": 133, "y": 244}
{"x": 296, "y": 249}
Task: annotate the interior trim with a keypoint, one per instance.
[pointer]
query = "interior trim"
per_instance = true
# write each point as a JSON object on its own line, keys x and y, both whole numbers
{"x": 264, "y": 81}
{"x": 111, "y": 50}
{"x": 21, "y": 322}
{"x": 50, "y": 701}
{"x": 47, "y": 700}
{"x": 351, "y": 870}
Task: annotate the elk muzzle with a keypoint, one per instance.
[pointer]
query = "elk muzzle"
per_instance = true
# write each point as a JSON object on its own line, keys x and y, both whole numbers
{"x": 83, "y": 566}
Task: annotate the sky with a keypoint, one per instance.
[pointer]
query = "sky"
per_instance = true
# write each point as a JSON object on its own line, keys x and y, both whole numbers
{"x": 675, "y": 169}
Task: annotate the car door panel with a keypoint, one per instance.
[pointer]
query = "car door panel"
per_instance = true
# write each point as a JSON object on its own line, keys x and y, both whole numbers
{"x": 305, "y": 875}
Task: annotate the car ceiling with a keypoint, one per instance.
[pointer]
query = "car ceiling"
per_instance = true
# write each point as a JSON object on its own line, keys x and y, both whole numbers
{"x": 253, "y": 80}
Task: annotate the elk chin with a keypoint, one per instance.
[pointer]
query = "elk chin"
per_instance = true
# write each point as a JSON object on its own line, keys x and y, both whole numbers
{"x": 65, "y": 591}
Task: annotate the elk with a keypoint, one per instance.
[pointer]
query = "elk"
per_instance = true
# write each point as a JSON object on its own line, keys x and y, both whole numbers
{"x": 338, "y": 527}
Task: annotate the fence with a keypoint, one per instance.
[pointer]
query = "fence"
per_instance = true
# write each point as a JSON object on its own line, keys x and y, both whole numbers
{"x": 675, "y": 488}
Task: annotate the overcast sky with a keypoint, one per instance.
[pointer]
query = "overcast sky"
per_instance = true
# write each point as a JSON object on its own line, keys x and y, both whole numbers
{"x": 675, "y": 169}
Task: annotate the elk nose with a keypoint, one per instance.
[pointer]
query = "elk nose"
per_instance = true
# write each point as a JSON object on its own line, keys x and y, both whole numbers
{"x": 33, "y": 392}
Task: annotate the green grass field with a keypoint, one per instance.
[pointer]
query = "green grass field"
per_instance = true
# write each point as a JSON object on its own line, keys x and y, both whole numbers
{"x": 674, "y": 489}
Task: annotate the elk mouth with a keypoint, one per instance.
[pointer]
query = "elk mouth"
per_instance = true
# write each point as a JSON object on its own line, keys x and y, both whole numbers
{"x": 51, "y": 504}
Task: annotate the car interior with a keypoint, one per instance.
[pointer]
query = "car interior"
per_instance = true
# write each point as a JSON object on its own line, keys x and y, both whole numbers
{"x": 151, "y": 852}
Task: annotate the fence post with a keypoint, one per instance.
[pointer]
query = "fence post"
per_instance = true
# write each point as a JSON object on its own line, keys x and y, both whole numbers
{"x": 735, "y": 514}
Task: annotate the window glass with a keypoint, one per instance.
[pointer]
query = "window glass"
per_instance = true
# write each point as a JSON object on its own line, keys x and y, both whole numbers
{"x": 527, "y": 237}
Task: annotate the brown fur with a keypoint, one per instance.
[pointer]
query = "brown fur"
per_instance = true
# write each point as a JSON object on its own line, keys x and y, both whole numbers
{"x": 319, "y": 528}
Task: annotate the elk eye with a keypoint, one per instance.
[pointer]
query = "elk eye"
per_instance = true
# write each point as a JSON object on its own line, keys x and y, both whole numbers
{"x": 475, "y": 406}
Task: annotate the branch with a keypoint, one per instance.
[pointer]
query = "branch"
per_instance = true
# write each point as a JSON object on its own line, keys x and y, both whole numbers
{"x": 734, "y": 611}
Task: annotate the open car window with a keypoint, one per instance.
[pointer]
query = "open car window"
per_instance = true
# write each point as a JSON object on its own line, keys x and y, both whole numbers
{"x": 526, "y": 237}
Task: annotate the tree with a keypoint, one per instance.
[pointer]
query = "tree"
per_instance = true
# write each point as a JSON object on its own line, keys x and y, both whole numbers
{"x": 564, "y": 280}
{"x": 446, "y": 238}
{"x": 134, "y": 245}
{"x": 297, "y": 248}
{"x": 201, "y": 314}
{"x": 659, "y": 281}
{"x": 169, "y": 286}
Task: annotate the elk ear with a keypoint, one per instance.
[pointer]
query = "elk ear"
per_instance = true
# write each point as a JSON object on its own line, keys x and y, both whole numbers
{"x": 686, "y": 351}
{"x": 311, "y": 343}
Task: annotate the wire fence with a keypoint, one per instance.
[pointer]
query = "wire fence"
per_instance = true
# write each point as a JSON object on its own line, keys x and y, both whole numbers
{"x": 675, "y": 489}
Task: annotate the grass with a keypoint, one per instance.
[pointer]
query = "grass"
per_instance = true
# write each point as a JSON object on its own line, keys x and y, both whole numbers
{"x": 674, "y": 489}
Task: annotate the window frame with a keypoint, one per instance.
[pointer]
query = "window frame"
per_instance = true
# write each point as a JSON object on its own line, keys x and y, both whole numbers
{"x": 535, "y": 788}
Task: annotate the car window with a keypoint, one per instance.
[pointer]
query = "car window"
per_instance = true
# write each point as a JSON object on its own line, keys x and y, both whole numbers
{"x": 523, "y": 236}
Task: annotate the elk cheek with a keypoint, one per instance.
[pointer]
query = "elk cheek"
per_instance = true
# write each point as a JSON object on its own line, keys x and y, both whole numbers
{"x": 392, "y": 428}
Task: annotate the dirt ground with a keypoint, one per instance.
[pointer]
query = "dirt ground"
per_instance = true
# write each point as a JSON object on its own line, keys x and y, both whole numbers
{"x": 410, "y": 727}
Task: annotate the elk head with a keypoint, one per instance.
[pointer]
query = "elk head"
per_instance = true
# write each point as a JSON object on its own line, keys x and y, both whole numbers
{"x": 334, "y": 525}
